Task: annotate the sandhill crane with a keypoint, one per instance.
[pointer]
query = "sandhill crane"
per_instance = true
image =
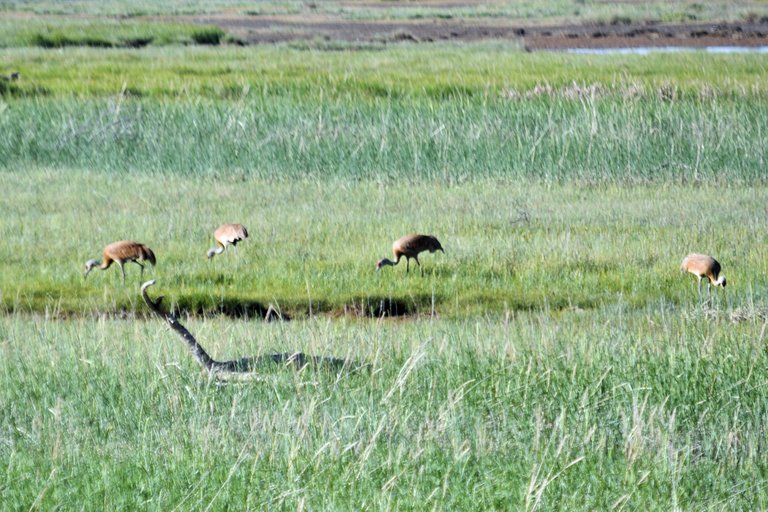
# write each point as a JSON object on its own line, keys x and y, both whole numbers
{"x": 227, "y": 234}
{"x": 121, "y": 252}
{"x": 247, "y": 367}
{"x": 704, "y": 266}
{"x": 410, "y": 246}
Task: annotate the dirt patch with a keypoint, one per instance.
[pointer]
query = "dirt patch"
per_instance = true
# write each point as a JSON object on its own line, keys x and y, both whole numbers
{"x": 648, "y": 35}
{"x": 276, "y": 29}
{"x": 308, "y": 27}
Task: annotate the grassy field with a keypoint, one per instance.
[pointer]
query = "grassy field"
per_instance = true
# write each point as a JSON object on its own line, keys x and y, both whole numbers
{"x": 397, "y": 72}
{"x": 608, "y": 409}
{"x": 554, "y": 358}
{"x": 509, "y": 245}
{"x": 52, "y": 32}
{"x": 526, "y": 11}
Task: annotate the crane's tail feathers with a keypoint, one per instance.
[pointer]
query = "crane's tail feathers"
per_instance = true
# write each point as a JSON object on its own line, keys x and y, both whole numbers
{"x": 150, "y": 256}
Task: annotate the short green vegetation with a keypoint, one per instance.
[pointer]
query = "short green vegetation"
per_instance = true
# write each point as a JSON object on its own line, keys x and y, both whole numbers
{"x": 509, "y": 245}
{"x": 554, "y": 358}
{"x": 53, "y": 32}
{"x": 486, "y": 71}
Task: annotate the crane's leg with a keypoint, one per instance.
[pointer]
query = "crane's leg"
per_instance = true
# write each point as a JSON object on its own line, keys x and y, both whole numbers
{"x": 419, "y": 264}
{"x": 122, "y": 270}
{"x": 407, "y": 261}
{"x": 142, "y": 267}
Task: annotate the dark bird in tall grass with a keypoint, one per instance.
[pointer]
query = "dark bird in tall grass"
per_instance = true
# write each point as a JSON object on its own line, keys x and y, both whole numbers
{"x": 246, "y": 368}
{"x": 225, "y": 235}
{"x": 410, "y": 246}
{"x": 704, "y": 266}
{"x": 120, "y": 253}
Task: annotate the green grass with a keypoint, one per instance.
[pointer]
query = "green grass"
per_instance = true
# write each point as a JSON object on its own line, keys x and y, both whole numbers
{"x": 314, "y": 244}
{"x": 523, "y": 11}
{"x": 52, "y": 32}
{"x": 327, "y": 170}
{"x": 558, "y": 11}
{"x": 608, "y": 140}
{"x": 554, "y": 358}
{"x": 437, "y": 72}
{"x": 655, "y": 410}
{"x": 149, "y": 7}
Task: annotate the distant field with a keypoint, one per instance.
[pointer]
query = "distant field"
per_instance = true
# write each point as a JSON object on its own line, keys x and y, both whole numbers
{"x": 356, "y": 24}
{"x": 553, "y": 358}
{"x": 558, "y": 10}
{"x": 53, "y": 32}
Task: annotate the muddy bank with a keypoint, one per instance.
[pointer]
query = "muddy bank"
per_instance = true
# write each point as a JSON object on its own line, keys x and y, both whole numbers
{"x": 253, "y": 30}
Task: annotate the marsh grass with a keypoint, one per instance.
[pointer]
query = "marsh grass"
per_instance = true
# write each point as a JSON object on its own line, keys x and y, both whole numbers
{"x": 150, "y": 7}
{"x": 606, "y": 140}
{"x": 314, "y": 244}
{"x": 55, "y": 32}
{"x": 554, "y": 358}
{"x": 439, "y": 72}
{"x": 557, "y": 11}
{"x": 656, "y": 409}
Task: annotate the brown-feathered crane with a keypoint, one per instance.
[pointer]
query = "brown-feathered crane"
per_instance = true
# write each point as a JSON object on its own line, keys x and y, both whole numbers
{"x": 410, "y": 246}
{"x": 227, "y": 234}
{"x": 704, "y": 266}
{"x": 120, "y": 253}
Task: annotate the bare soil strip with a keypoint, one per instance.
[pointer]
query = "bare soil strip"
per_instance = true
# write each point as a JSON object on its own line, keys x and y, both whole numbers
{"x": 276, "y": 29}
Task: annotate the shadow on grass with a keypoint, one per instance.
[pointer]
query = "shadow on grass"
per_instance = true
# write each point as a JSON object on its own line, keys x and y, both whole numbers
{"x": 10, "y": 89}
{"x": 362, "y": 307}
{"x": 233, "y": 308}
{"x": 381, "y": 307}
{"x": 532, "y": 302}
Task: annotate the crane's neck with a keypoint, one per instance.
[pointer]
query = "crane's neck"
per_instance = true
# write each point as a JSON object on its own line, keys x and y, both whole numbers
{"x": 197, "y": 350}
{"x": 91, "y": 264}
{"x": 214, "y": 251}
{"x": 387, "y": 261}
